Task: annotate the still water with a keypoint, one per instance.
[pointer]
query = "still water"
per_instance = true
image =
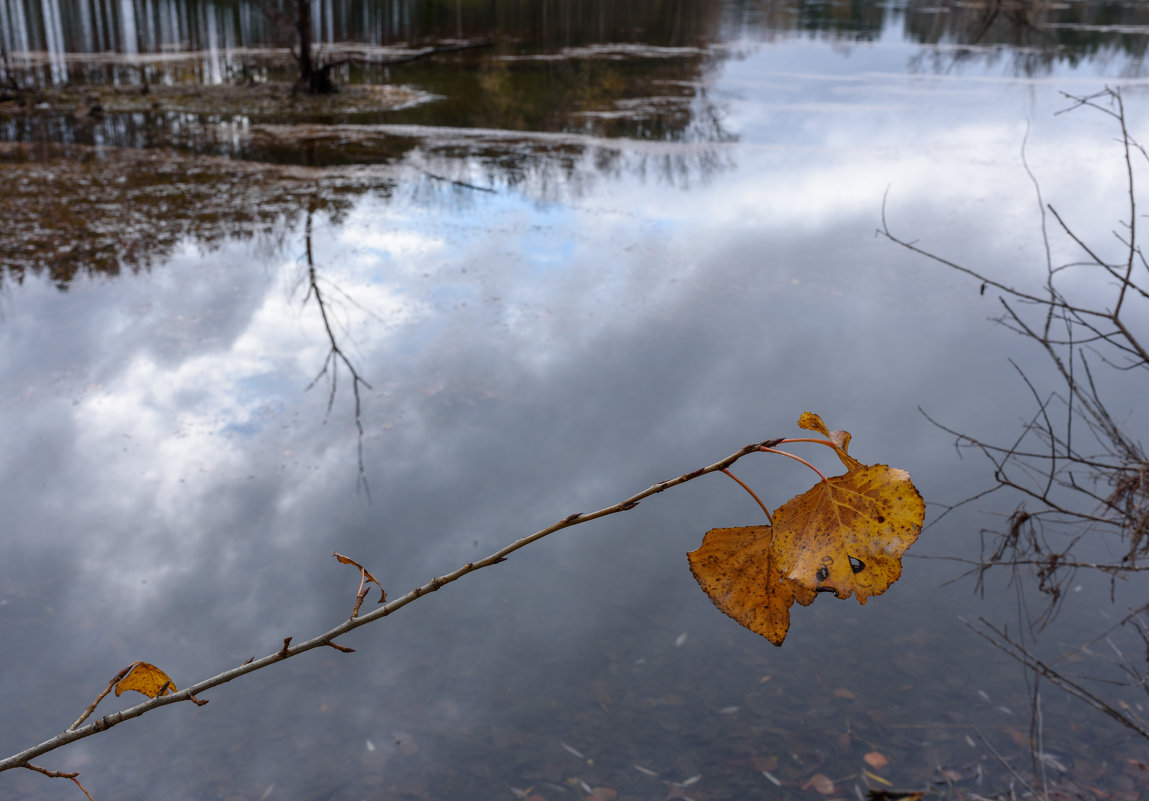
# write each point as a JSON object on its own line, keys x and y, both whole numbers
{"x": 615, "y": 247}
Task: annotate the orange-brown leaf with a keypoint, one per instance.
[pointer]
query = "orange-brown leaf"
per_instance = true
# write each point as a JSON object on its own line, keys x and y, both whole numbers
{"x": 876, "y": 760}
{"x": 848, "y": 533}
{"x": 147, "y": 679}
{"x": 367, "y": 578}
{"x": 735, "y": 568}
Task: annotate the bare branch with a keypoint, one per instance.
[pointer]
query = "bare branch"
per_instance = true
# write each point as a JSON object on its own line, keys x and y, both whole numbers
{"x": 327, "y": 638}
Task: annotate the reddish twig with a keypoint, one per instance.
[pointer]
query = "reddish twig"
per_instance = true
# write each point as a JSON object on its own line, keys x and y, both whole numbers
{"x": 742, "y": 484}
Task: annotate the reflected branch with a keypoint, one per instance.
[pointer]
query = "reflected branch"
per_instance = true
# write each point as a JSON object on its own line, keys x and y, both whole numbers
{"x": 1003, "y": 642}
{"x": 335, "y": 356}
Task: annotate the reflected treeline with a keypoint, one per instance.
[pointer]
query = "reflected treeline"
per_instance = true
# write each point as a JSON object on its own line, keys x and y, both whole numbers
{"x": 1035, "y": 35}
{"x": 43, "y": 40}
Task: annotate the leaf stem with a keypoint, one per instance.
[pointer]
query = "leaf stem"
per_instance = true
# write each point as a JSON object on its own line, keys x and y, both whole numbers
{"x": 825, "y": 442}
{"x": 764, "y": 449}
{"x": 741, "y": 483}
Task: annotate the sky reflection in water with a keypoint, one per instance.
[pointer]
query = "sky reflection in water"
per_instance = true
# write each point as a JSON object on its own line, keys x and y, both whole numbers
{"x": 173, "y": 493}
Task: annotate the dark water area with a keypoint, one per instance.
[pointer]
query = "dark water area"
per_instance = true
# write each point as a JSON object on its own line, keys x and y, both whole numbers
{"x": 616, "y": 246}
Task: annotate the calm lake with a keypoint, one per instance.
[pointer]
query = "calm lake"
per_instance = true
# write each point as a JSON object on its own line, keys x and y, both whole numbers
{"x": 617, "y": 244}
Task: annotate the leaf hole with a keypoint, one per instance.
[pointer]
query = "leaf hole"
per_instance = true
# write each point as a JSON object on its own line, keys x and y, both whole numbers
{"x": 856, "y": 564}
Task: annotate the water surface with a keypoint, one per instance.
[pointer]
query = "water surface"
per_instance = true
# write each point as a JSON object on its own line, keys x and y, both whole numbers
{"x": 635, "y": 255}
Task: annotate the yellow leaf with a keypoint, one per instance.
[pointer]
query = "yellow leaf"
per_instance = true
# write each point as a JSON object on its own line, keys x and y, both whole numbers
{"x": 735, "y": 568}
{"x": 848, "y": 533}
{"x": 147, "y": 679}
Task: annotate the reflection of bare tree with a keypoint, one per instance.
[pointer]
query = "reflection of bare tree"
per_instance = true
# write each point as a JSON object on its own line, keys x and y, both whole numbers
{"x": 335, "y": 354}
{"x": 1079, "y": 469}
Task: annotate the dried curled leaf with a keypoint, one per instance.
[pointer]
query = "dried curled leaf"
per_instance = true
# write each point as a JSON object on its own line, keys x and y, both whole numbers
{"x": 147, "y": 679}
{"x": 848, "y": 533}
{"x": 365, "y": 579}
{"x": 841, "y": 439}
{"x": 735, "y": 567}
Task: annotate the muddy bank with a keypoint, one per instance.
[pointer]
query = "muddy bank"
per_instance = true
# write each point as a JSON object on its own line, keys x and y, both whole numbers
{"x": 70, "y": 209}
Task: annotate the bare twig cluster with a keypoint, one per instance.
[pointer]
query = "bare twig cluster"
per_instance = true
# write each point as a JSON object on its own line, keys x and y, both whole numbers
{"x": 1077, "y": 465}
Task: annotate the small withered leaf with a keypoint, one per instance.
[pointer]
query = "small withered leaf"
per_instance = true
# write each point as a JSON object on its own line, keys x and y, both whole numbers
{"x": 147, "y": 679}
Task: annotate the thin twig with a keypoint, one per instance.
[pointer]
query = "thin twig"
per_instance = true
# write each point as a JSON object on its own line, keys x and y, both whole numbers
{"x": 57, "y": 774}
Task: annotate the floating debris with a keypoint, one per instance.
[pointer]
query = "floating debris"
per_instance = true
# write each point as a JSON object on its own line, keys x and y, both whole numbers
{"x": 573, "y": 751}
{"x": 370, "y": 746}
{"x": 645, "y": 771}
{"x": 1049, "y": 759}
{"x": 770, "y": 777}
{"x": 681, "y": 639}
